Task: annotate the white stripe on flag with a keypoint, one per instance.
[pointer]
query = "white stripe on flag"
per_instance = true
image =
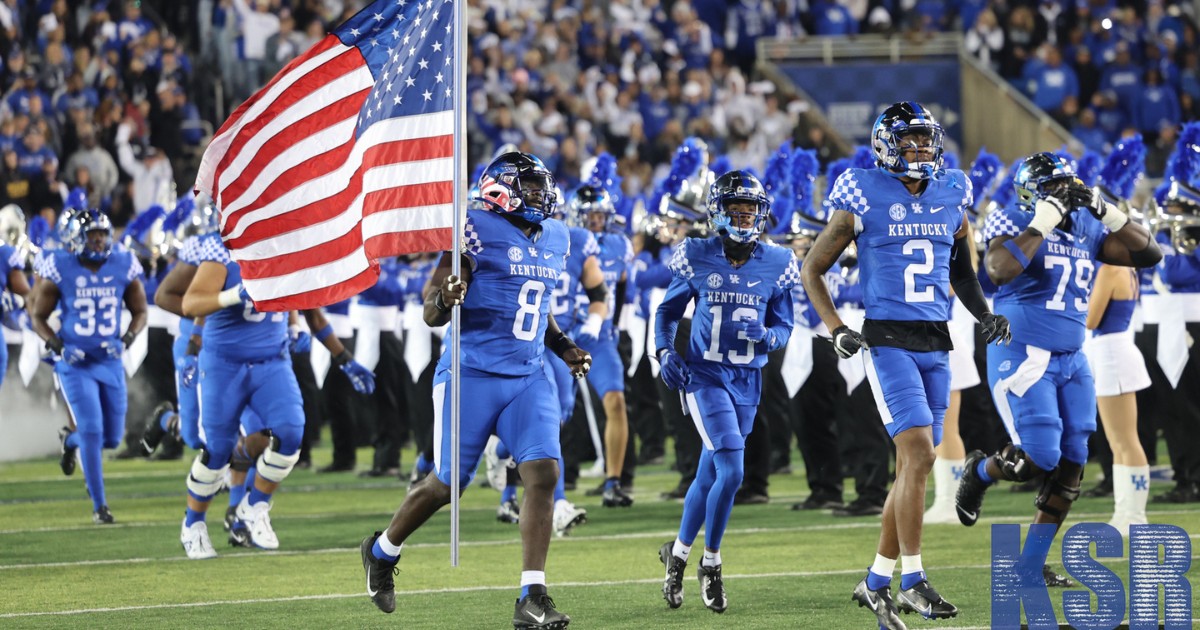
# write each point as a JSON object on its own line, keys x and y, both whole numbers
{"x": 220, "y": 144}
{"x": 310, "y": 279}
{"x": 402, "y": 220}
{"x": 413, "y": 127}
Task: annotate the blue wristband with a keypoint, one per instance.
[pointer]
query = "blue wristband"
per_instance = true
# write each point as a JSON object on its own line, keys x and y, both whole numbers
{"x": 324, "y": 333}
{"x": 1017, "y": 253}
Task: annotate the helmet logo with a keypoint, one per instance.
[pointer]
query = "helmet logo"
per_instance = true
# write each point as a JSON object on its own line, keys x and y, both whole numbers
{"x": 897, "y": 212}
{"x": 714, "y": 281}
{"x": 514, "y": 254}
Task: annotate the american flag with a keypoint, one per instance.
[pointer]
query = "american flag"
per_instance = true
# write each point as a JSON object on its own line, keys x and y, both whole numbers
{"x": 345, "y": 157}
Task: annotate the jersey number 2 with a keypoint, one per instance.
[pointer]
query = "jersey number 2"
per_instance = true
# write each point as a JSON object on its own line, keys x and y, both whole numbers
{"x": 911, "y": 294}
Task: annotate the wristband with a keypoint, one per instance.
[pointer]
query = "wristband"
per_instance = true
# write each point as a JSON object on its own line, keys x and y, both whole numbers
{"x": 324, "y": 333}
{"x": 230, "y": 297}
{"x": 1012, "y": 247}
{"x": 561, "y": 344}
{"x": 127, "y": 338}
{"x": 343, "y": 358}
{"x": 193, "y": 346}
{"x": 439, "y": 304}
{"x": 1113, "y": 218}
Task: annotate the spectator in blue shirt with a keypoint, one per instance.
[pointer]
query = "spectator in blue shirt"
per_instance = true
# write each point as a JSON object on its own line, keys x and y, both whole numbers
{"x": 1053, "y": 81}
{"x": 135, "y": 25}
{"x": 655, "y": 111}
{"x": 1092, "y": 137}
{"x": 1156, "y": 107}
{"x": 18, "y": 101}
{"x": 32, "y": 153}
{"x": 745, "y": 22}
{"x": 502, "y": 132}
{"x": 1122, "y": 77}
{"x": 76, "y": 97}
{"x": 1110, "y": 118}
{"x": 831, "y": 18}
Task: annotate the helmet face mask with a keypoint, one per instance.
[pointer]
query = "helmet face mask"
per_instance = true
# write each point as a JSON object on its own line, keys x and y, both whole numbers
{"x": 90, "y": 236}
{"x": 738, "y": 207}
{"x": 907, "y": 141}
{"x": 592, "y": 207}
{"x": 1041, "y": 176}
{"x": 518, "y": 184}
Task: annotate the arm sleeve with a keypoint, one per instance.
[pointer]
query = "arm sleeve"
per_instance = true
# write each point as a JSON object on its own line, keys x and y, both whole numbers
{"x": 963, "y": 279}
{"x": 666, "y": 322}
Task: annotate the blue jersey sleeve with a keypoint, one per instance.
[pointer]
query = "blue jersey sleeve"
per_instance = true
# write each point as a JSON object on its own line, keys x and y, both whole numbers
{"x": 679, "y": 266}
{"x": 472, "y": 245}
{"x": 847, "y": 194}
{"x": 666, "y": 322}
{"x": 47, "y": 267}
{"x": 135, "y": 268}
{"x": 189, "y": 252}
{"x": 1179, "y": 270}
{"x": 12, "y": 257}
{"x": 213, "y": 250}
{"x": 780, "y": 320}
{"x": 1000, "y": 223}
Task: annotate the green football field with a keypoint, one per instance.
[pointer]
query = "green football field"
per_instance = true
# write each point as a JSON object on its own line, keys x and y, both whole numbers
{"x": 783, "y": 569}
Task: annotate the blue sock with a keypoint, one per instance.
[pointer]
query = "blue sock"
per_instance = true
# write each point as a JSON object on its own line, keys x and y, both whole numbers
{"x": 982, "y": 470}
{"x": 236, "y": 493}
{"x": 610, "y": 482}
{"x": 164, "y": 418}
{"x": 908, "y": 580}
{"x": 876, "y": 582}
{"x": 560, "y": 490}
{"x": 258, "y": 496}
{"x": 502, "y": 451}
{"x": 194, "y": 517}
{"x": 93, "y": 466}
{"x": 250, "y": 478}
{"x": 508, "y": 494}
{"x": 380, "y": 554}
{"x": 729, "y": 468}
{"x": 423, "y": 464}
{"x": 73, "y": 440}
{"x": 524, "y": 592}
{"x": 697, "y": 496}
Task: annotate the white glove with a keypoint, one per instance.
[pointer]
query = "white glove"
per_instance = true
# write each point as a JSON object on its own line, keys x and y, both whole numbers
{"x": 1108, "y": 214}
{"x": 591, "y": 328}
{"x": 1047, "y": 214}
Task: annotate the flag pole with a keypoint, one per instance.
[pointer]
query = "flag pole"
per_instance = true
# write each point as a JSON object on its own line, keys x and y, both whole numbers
{"x": 460, "y": 174}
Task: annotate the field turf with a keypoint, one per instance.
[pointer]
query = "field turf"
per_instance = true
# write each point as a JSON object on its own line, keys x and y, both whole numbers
{"x": 783, "y": 568}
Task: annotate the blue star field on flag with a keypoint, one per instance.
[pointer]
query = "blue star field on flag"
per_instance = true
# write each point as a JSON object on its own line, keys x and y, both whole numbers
{"x": 408, "y": 46}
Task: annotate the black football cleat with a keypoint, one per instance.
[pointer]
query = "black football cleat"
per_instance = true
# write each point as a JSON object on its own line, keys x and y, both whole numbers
{"x": 859, "y": 507}
{"x": 381, "y": 585}
{"x": 103, "y": 516}
{"x": 1054, "y": 580}
{"x": 712, "y": 588}
{"x": 880, "y": 602}
{"x": 615, "y": 497}
{"x": 67, "y": 462}
{"x": 673, "y": 583}
{"x": 820, "y": 502}
{"x": 230, "y": 517}
{"x": 925, "y": 601}
{"x": 536, "y": 612}
{"x": 239, "y": 534}
{"x": 969, "y": 500}
{"x": 154, "y": 432}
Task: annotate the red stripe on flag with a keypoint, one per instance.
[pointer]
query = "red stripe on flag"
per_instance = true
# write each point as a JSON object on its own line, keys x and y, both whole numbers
{"x": 335, "y": 68}
{"x": 325, "y": 209}
{"x": 325, "y": 44}
{"x": 327, "y": 295}
{"x": 400, "y": 243}
{"x": 296, "y": 132}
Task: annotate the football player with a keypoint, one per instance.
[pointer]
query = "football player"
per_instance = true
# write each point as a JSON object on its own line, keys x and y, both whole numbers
{"x": 908, "y": 218}
{"x": 89, "y": 282}
{"x": 743, "y": 310}
{"x": 516, "y": 255}
{"x": 1043, "y": 256}
{"x": 13, "y": 284}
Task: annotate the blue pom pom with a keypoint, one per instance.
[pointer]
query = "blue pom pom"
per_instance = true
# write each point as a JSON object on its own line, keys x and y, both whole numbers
{"x": 984, "y": 171}
{"x": 804, "y": 167}
{"x": 685, "y": 164}
{"x": 721, "y": 165}
{"x": 1184, "y": 163}
{"x": 1088, "y": 167}
{"x": 863, "y": 157}
{"x": 1124, "y": 166}
{"x": 142, "y": 223}
{"x": 39, "y": 229}
{"x": 950, "y": 160}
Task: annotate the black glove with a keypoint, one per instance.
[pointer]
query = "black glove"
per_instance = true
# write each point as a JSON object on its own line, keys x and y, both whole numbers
{"x": 127, "y": 339}
{"x": 1078, "y": 195}
{"x": 847, "y": 342}
{"x": 55, "y": 344}
{"x": 995, "y": 329}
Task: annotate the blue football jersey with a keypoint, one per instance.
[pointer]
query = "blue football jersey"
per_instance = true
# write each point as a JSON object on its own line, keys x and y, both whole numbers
{"x": 415, "y": 277}
{"x": 10, "y": 258}
{"x": 189, "y": 251}
{"x": 804, "y": 313}
{"x": 904, "y": 241}
{"x": 1047, "y": 304}
{"x": 240, "y": 333}
{"x": 615, "y": 258}
{"x": 91, "y": 301}
{"x": 570, "y": 301}
{"x": 507, "y": 308}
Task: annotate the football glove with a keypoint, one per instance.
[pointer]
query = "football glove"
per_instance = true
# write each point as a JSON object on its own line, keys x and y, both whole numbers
{"x": 754, "y": 330}
{"x": 74, "y": 355}
{"x": 1047, "y": 214}
{"x": 360, "y": 377}
{"x": 186, "y": 366}
{"x": 847, "y": 341}
{"x": 675, "y": 372}
{"x": 112, "y": 349}
{"x": 589, "y": 332}
{"x": 299, "y": 341}
{"x": 995, "y": 329}
{"x": 1108, "y": 214}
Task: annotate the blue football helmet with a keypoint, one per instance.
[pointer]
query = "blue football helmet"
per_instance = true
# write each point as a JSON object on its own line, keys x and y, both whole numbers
{"x": 900, "y": 127}
{"x": 1034, "y": 173}
{"x": 204, "y": 219}
{"x": 518, "y": 183}
{"x": 80, "y": 226}
{"x": 737, "y": 186}
{"x": 588, "y": 199}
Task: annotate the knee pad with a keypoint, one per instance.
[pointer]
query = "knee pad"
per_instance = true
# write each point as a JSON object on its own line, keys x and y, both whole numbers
{"x": 1062, "y": 487}
{"x": 1015, "y": 464}
{"x": 203, "y": 481}
{"x": 273, "y": 465}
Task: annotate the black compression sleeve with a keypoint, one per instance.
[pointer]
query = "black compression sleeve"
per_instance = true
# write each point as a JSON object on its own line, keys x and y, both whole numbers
{"x": 963, "y": 279}
{"x": 598, "y": 293}
{"x": 620, "y": 302}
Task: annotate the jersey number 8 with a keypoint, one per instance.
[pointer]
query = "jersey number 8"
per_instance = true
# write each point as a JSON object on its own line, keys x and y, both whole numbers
{"x": 529, "y": 302}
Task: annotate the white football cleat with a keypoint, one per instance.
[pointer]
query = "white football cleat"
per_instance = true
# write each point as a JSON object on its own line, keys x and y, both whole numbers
{"x": 597, "y": 470}
{"x": 566, "y": 517}
{"x": 497, "y": 469}
{"x": 196, "y": 542}
{"x": 944, "y": 514}
{"x": 257, "y": 519}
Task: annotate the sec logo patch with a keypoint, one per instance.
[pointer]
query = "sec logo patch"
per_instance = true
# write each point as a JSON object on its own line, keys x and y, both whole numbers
{"x": 514, "y": 254}
{"x": 80, "y": 281}
{"x": 714, "y": 281}
{"x": 897, "y": 212}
